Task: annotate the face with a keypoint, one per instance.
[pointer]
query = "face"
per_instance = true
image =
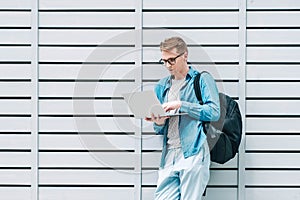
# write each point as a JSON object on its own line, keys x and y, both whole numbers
{"x": 175, "y": 63}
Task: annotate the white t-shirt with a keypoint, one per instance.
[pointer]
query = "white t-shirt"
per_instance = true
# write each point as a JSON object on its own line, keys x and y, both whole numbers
{"x": 173, "y": 130}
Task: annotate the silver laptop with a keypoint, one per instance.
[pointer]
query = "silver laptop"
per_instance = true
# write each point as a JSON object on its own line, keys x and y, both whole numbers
{"x": 142, "y": 104}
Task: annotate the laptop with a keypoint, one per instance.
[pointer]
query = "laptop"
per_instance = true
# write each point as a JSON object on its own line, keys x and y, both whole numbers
{"x": 142, "y": 104}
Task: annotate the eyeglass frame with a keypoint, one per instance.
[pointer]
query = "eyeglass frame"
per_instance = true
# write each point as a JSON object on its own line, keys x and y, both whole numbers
{"x": 164, "y": 62}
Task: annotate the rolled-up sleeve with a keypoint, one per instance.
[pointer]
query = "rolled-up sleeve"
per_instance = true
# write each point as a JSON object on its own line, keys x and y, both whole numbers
{"x": 210, "y": 110}
{"x": 159, "y": 129}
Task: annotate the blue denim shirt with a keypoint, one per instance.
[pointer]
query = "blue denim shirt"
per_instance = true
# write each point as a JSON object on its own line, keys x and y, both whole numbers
{"x": 191, "y": 131}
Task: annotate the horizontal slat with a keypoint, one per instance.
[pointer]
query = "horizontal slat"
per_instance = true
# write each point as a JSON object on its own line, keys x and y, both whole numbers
{"x": 273, "y": 125}
{"x": 87, "y": 4}
{"x": 16, "y": 89}
{"x": 177, "y": 19}
{"x": 211, "y": 193}
{"x": 87, "y": 37}
{"x": 15, "y": 53}
{"x": 15, "y": 142}
{"x": 273, "y": 36}
{"x": 87, "y": 124}
{"x": 273, "y": 54}
{"x": 221, "y": 193}
{"x": 273, "y": 107}
{"x": 273, "y": 4}
{"x": 273, "y": 19}
{"x": 86, "y": 142}
{"x": 16, "y": 193}
{"x": 152, "y": 160}
{"x": 148, "y": 193}
{"x": 13, "y": 124}
{"x": 192, "y": 37}
{"x": 273, "y": 89}
{"x": 272, "y": 178}
{"x": 67, "y": 193}
{"x": 15, "y": 107}
{"x": 273, "y": 72}
{"x": 217, "y": 177}
{"x": 191, "y": 4}
{"x": 14, "y": 19}
{"x": 272, "y": 160}
{"x": 90, "y": 177}
{"x": 198, "y": 54}
{"x": 15, "y": 159}
{"x": 85, "y": 89}
{"x": 79, "y": 107}
{"x": 273, "y": 142}
{"x": 272, "y": 193}
{"x": 87, "y": 54}
{"x": 85, "y": 72}
{"x": 16, "y": 177}
{"x": 224, "y": 72}
{"x": 16, "y": 4}
{"x": 87, "y": 159}
{"x": 87, "y": 19}
{"x": 15, "y": 71}
{"x": 15, "y": 36}
{"x": 152, "y": 142}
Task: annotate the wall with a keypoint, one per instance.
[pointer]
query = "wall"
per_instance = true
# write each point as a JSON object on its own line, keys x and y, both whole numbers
{"x": 65, "y": 131}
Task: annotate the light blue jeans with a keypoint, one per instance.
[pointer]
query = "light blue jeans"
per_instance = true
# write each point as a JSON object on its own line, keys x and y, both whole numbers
{"x": 183, "y": 179}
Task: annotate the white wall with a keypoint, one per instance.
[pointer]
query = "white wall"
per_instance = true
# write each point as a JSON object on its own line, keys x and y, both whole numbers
{"x": 65, "y": 131}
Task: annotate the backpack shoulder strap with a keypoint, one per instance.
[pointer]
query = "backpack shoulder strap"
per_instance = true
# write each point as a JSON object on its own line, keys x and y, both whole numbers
{"x": 197, "y": 88}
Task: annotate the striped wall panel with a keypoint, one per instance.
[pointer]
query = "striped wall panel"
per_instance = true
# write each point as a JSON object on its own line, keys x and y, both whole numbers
{"x": 272, "y": 133}
{"x": 85, "y": 150}
{"x": 15, "y": 100}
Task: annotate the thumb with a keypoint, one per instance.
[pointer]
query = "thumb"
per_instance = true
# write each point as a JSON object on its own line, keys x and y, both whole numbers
{"x": 164, "y": 105}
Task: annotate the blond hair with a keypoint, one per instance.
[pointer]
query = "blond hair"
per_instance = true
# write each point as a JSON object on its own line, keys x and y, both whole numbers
{"x": 174, "y": 43}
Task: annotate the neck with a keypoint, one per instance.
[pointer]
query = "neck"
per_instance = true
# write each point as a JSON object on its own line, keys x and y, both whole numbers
{"x": 182, "y": 74}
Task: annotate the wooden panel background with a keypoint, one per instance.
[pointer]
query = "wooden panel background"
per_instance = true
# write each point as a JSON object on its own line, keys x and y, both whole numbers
{"x": 87, "y": 149}
{"x": 15, "y": 100}
{"x": 90, "y": 52}
{"x": 272, "y": 131}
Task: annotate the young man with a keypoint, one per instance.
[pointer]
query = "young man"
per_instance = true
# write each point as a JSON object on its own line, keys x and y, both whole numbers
{"x": 184, "y": 169}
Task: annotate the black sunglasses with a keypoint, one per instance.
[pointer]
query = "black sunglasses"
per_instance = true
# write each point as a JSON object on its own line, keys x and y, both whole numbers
{"x": 171, "y": 61}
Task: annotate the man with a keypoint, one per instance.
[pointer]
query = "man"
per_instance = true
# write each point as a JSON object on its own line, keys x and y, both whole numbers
{"x": 184, "y": 169}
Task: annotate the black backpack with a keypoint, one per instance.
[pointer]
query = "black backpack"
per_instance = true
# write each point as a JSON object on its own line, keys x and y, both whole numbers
{"x": 223, "y": 136}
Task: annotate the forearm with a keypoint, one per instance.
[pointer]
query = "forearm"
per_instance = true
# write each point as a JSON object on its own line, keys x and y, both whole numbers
{"x": 206, "y": 112}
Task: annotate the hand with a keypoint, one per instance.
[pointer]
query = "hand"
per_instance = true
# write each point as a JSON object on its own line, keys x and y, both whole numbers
{"x": 157, "y": 120}
{"x": 172, "y": 105}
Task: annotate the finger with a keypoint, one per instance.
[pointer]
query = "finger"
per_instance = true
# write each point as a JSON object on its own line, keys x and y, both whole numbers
{"x": 148, "y": 119}
{"x": 167, "y": 108}
{"x": 164, "y": 105}
{"x": 152, "y": 117}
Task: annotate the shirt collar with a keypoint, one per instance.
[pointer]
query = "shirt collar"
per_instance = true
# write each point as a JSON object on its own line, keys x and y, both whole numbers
{"x": 191, "y": 73}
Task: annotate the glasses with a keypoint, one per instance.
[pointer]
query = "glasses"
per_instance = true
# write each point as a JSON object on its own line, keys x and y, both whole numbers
{"x": 171, "y": 61}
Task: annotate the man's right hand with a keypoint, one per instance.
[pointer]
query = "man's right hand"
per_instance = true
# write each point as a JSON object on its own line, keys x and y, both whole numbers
{"x": 157, "y": 120}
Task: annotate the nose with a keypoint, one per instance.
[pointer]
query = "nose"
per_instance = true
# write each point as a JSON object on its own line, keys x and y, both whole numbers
{"x": 168, "y": 65}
